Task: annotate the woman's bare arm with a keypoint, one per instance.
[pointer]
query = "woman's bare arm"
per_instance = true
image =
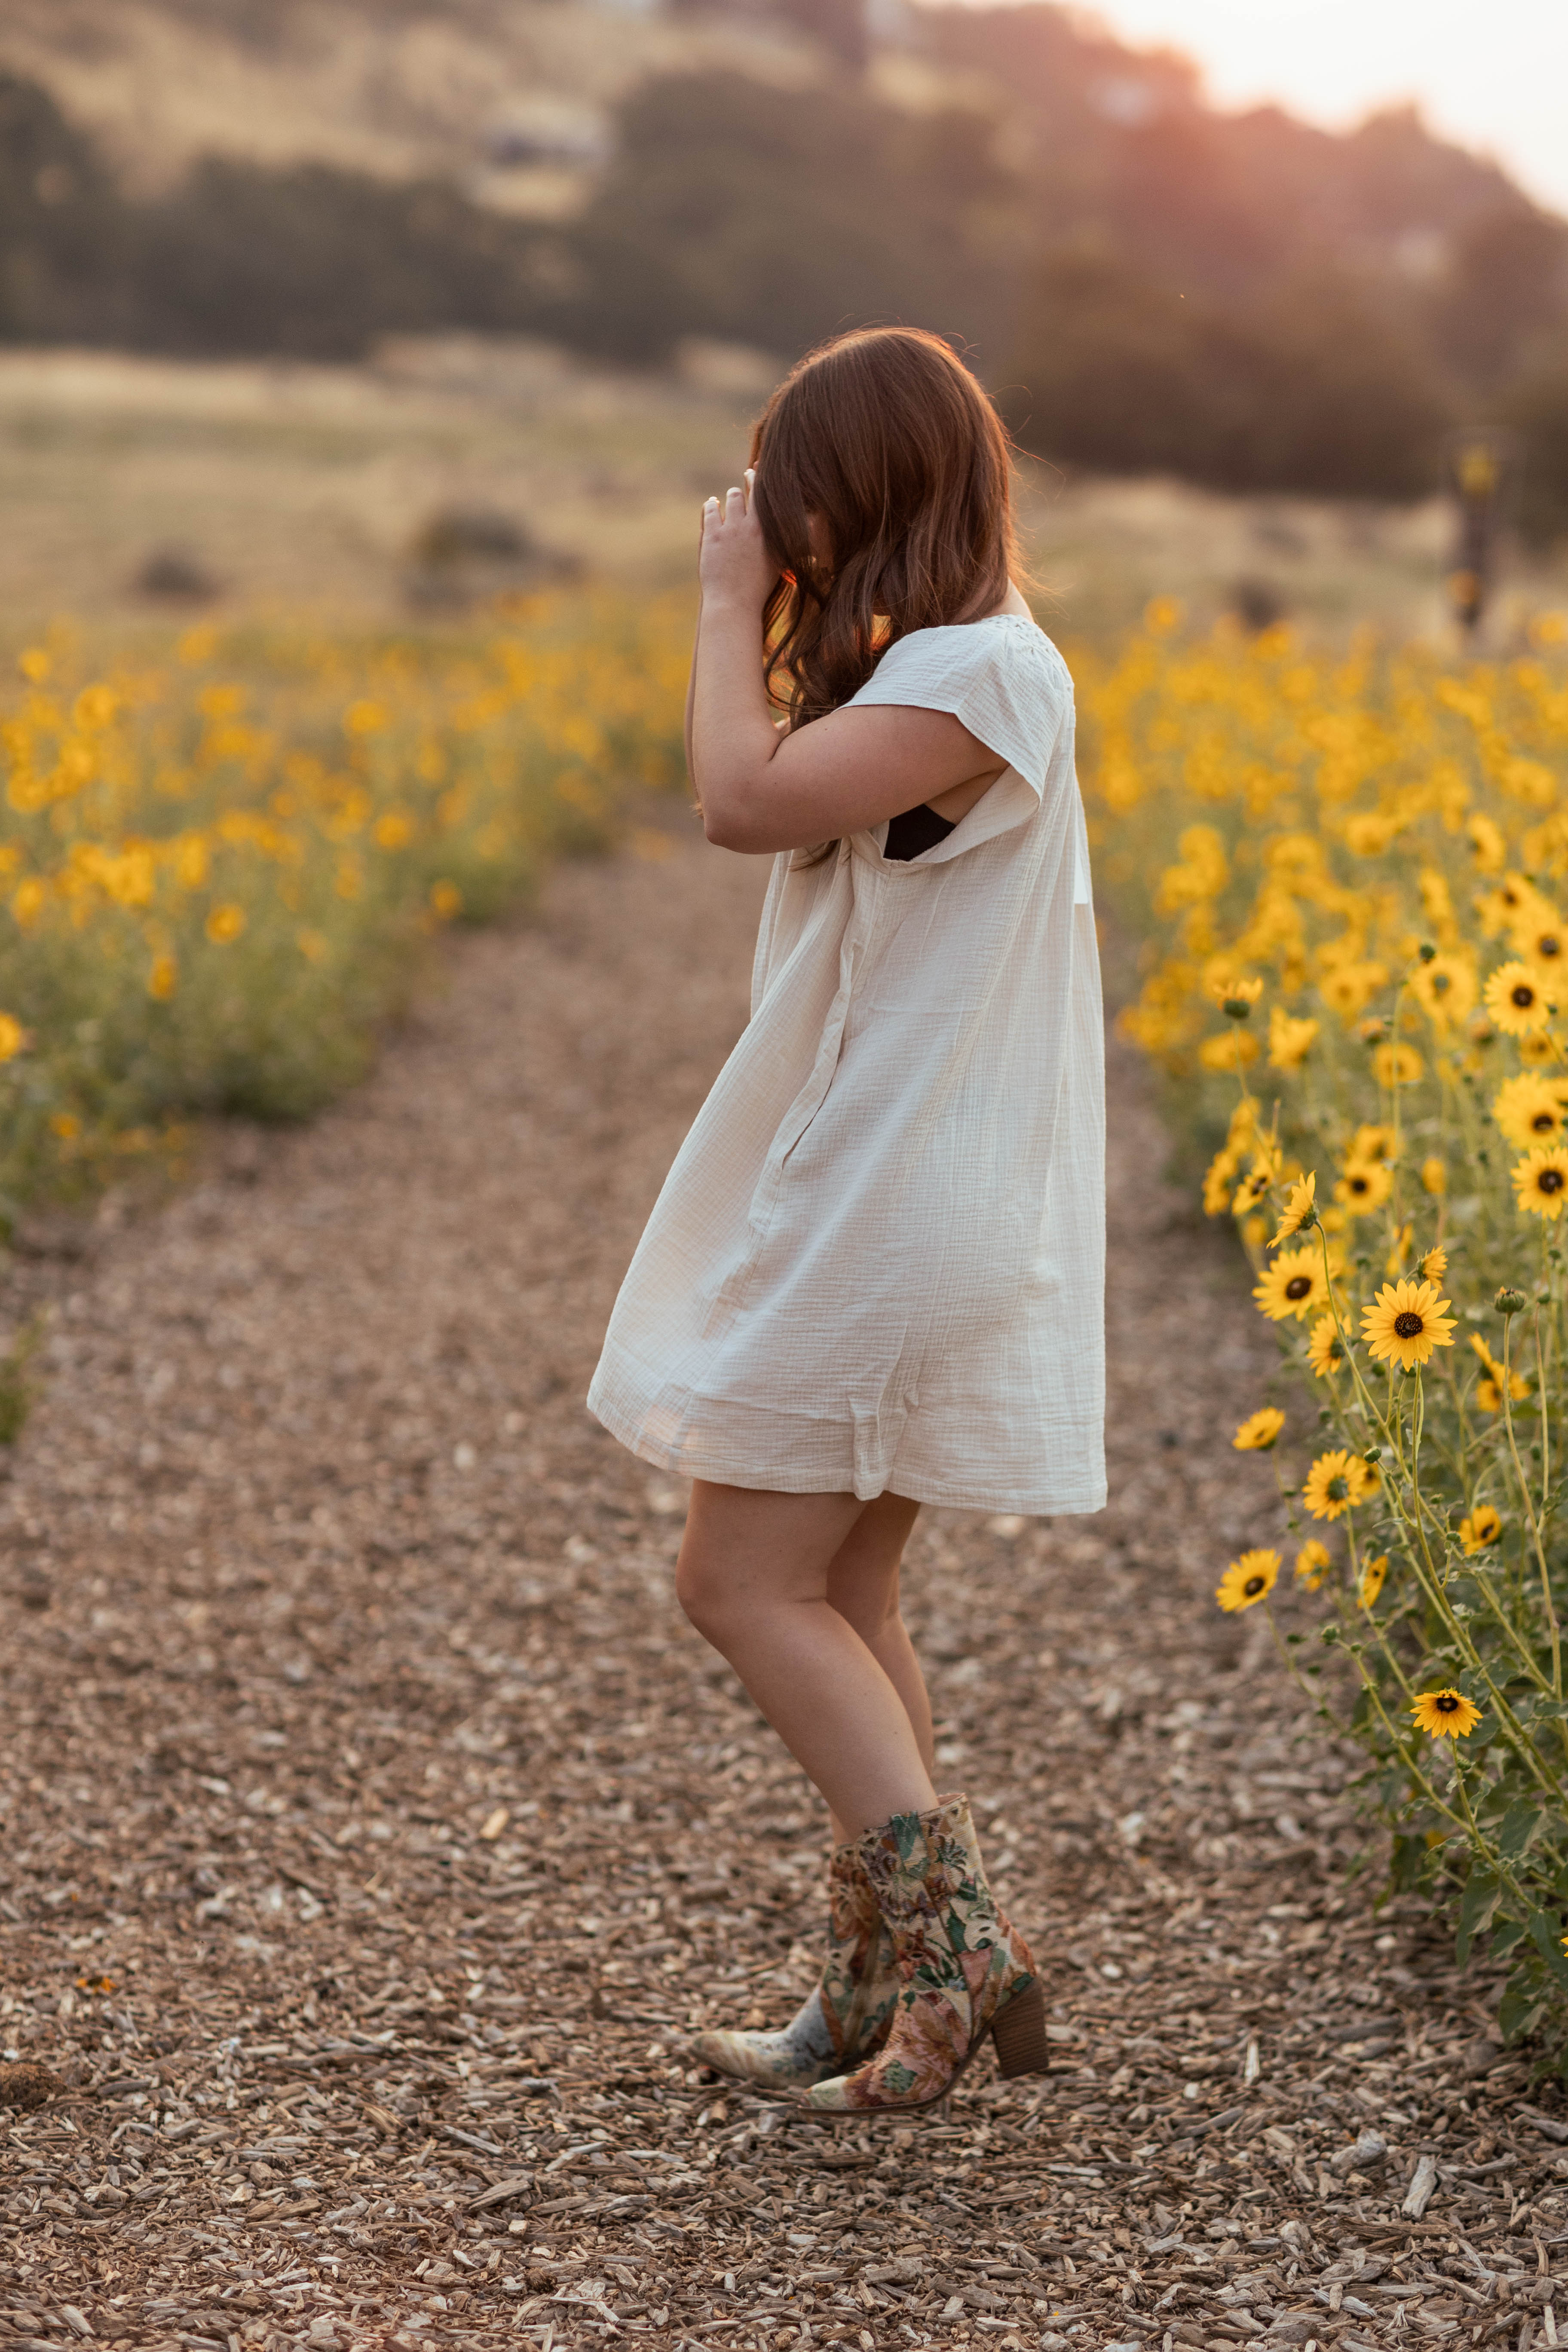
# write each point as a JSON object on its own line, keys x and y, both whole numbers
{"x": 761, "y": 791}
{"x": 691, "y": 702}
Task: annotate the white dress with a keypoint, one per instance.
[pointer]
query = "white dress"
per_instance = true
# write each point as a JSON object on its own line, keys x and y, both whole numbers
{"x": 878, "y": 1260}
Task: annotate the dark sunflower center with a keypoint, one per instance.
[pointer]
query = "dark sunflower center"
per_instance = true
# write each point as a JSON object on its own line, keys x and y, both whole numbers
{"x": 1544, "y": 1122}
{"x": 1441, "y": 982}
{"x": 1548, "y": 944}
{"x": 1357, "y": 1183}
{"x": 1447, "y": 1702}
{"x": 1339, "y": 1488}
{"x": 1299, "y": 1286}
{"x": 1549, "y": 1181}
{"x": 1522, "y": 994}
{"x": 1408, "y": 1326}
{"x": 1253, "y": 1587}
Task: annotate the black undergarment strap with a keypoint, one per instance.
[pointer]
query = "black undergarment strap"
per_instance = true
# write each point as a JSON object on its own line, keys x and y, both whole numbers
{"x": 917, "y": 829}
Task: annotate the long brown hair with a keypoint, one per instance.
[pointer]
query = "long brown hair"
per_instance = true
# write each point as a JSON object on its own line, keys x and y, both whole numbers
{"x": 886, "y": 436}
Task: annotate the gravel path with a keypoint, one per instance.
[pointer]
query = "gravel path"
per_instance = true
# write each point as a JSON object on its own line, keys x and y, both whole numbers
{"x": 374, "y": 1827}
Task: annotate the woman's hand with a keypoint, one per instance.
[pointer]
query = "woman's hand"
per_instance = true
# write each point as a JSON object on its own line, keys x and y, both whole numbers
{"x": 732, "y": 564}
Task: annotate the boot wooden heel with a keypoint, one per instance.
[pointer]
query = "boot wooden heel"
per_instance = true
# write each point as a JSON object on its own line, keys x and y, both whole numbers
{"x": 1019, "y": 2034}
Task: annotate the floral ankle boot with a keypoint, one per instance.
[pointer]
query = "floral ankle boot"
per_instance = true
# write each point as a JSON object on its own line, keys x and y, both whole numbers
{"x": 846, "y": 2016}
{"x": 965, "y": 1971}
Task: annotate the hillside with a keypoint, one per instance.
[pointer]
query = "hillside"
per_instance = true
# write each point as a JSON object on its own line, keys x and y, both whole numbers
{"x": 1151, "y": 284}
{"x": 401, "y": 88}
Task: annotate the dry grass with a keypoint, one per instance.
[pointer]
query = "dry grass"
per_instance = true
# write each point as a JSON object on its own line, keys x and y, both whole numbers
{"x": 300, "y": 488}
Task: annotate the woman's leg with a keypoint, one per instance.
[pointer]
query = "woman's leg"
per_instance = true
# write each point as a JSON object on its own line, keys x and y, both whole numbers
{"x": 863, "y": 1586}
{"x": 754, "y": 1577}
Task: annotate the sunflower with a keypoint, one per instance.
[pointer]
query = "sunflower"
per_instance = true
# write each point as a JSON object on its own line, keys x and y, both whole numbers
{"x": 1289, "y": 1039}
{"x": 1231, "y": 1049}
{"x": 1446, "y": 1714}
{"x": 1228, "y": 992}
{"x": 1325, "y": 1349}
{"x": 1394, "y": 1265}
{"x": 1444, "y": 989}
{"x": 1538, "y": 1049}
{"x": 1396, "y": 1066}
{"x": 1293, "y": 1285}
{"x": 1508, "y": 904}
{"x": 1433, "y": 1266}
{"x": 1373, "y": 1140}
{"x": 1312, "y": 1563}
{"x": 1336, "y": 1483}
{"x": 1405, "y": 1322}
{"x": 1531, "y": 1110}
{"x": 1373, "y": 1574}
{"x": 1482, "y": 1528}
{"x": 1365, "y": 1186}
{"x": 1247, "y": 1579}
{"x": 1433, "y": 1176}
{"x": 1254, "y": 1183}
{"x": 1540, "y": 939}
{"x": 1259, "y": 1431}
{"x": 1516, "y": 1001}
{"x": 1489, "y": 1391}
{"x": 1350, "y": 988}
{"x": 1489, "y": 843}
{"x": 1218, "y": 1178}
{"x": 1300, "y": 1210}
{"x": 1541, "y": 1181}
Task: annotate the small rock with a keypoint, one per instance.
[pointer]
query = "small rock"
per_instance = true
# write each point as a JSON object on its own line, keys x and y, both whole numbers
{"x": 25, "y": 2086}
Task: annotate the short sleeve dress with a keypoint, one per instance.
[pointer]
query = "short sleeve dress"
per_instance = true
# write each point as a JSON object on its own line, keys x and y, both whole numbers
{"x": 878, "y": 1263}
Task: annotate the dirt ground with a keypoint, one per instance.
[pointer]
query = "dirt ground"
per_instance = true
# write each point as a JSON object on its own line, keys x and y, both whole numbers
{"x": 374, "y": 1830}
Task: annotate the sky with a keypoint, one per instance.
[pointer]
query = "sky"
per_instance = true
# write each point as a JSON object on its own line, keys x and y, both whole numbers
{"x": 1492, "y": 74}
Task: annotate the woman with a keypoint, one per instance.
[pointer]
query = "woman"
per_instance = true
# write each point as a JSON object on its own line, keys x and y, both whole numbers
{"x": 874, "y": 1277}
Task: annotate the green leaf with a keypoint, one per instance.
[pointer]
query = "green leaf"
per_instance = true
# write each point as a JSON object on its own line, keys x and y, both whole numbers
{"x": 1546, "y": 1934}
{"x": 1505, "y": 1936}
{"x": 1520, "y": 1824}
{"x": 1482, "y": 1895}
{"x": 1519, "y": 2011}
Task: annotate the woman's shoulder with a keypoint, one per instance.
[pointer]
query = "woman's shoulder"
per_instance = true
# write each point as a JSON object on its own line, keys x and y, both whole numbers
{"x": 1010, "y": 648}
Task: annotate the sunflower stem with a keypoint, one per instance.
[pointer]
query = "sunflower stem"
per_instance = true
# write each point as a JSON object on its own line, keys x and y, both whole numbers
{"x": 1288, "y": 1659}
{"x": 1490, "y": 1854}
{"x": 1530, "y": 1521}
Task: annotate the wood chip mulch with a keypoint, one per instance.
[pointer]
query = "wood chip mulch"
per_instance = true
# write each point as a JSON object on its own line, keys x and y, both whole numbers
{"x": 374, "y": 1829}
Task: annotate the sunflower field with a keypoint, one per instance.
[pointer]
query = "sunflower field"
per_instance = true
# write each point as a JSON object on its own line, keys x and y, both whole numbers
{"x": 1348, "y": 874}
{"x": 219, "y": 867}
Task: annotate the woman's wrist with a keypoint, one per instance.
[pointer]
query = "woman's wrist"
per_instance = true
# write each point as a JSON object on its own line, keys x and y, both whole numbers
{"x": 727, "y": 604}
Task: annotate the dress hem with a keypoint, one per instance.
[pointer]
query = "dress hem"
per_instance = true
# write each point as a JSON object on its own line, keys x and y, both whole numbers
{"x": 721, "y": 1471}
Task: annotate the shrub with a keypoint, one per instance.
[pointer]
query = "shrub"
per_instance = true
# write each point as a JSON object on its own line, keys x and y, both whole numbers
{"x": 320, "y": 261}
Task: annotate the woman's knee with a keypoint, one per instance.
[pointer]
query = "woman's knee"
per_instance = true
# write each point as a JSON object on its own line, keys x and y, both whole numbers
{"x": 700, "y": 1589}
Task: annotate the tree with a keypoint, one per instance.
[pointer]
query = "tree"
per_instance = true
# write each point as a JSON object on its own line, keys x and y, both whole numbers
{"x": 776, "y": 218}
{"x": 1121, "y": 373}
